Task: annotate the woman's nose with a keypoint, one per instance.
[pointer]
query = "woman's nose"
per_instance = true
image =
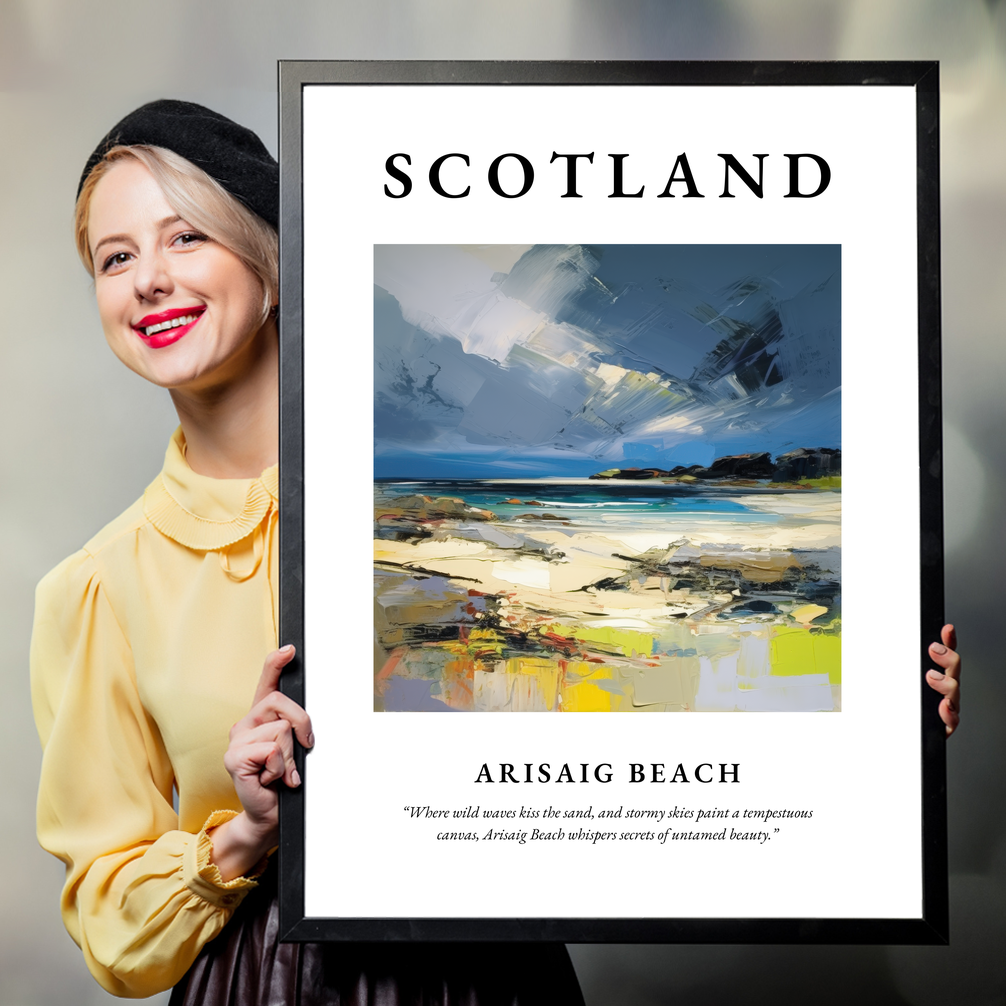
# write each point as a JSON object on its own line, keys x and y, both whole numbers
{"x": 152, "y": 277}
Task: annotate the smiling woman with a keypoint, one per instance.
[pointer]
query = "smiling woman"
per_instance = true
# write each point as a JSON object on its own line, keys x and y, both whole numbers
{"x": 148, "y": 646}
{"x": 158, "y": 278}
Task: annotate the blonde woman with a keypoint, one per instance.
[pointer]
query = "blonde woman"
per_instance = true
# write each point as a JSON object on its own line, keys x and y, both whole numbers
{"x": 165, "y": 735}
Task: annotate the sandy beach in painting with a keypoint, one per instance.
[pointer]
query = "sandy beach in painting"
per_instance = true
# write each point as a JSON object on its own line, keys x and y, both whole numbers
{"x": 576, "y": 595}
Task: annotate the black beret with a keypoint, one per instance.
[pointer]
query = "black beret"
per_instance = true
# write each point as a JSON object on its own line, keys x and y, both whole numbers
{"x": 231, "y": 154}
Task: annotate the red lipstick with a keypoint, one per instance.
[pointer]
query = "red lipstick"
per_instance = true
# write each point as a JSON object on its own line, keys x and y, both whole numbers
{"x": 166, "y": 327}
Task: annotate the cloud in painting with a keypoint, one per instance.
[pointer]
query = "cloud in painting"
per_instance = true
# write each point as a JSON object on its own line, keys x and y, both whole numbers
{"x": 581, "y": 356}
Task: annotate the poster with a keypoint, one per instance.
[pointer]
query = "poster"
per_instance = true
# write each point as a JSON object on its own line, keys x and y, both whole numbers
{"x": 621, "y": 363}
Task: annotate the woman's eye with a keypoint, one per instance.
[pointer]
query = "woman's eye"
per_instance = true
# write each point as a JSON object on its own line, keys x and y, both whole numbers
{"x": 190, "y": 238}
{"x": 114, "y": 261}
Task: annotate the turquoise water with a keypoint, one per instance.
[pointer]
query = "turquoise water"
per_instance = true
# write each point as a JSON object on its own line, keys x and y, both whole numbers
{"x": 594, "y": 502}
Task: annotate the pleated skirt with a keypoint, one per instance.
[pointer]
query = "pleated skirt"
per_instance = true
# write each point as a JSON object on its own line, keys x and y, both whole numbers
{"x": 246, "y": 965}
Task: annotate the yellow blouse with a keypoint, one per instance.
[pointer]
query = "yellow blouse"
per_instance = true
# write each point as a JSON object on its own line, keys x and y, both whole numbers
{"x": 147, "y": 647}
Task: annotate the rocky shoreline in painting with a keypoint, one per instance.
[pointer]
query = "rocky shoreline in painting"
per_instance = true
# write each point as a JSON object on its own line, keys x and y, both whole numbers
{"x": 623, "y": 594}
{"x": 790, "y": 470}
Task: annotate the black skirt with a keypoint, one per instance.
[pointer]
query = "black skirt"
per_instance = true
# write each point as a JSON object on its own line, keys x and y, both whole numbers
{"x": 246, "y": 965}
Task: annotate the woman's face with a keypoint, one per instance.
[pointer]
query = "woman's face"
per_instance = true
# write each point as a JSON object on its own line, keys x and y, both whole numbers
{"x": 177, "y": 308}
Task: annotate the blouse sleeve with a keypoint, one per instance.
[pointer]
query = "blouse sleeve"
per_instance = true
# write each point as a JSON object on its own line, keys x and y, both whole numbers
{"x": 141, "y": 898}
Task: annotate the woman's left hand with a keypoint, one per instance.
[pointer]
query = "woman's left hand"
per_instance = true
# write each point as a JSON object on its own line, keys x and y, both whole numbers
{"x": 948, "y": 681}
{"x": 260, "y": 754}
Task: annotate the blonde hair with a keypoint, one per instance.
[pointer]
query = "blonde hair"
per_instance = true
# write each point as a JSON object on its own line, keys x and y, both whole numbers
{"x": 199, "y": 200}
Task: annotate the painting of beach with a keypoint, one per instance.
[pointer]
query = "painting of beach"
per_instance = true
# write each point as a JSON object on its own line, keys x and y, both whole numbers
{"x": 607, "y": 478}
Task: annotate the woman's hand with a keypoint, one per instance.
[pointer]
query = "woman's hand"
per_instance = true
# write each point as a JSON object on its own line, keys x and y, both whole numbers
{"x": 260, "y": 753}
{"x": 947, "y": 682}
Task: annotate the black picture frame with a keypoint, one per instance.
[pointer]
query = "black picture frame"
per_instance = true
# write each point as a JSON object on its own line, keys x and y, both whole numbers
{"x": 932, "y": 925}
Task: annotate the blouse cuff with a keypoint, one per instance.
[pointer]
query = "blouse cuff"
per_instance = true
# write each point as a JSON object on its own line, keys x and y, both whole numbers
{"x": 202, "y": 876}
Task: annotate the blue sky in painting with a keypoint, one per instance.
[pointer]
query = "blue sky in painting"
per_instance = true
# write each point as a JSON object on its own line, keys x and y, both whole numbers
{"x": 515, "y": 361}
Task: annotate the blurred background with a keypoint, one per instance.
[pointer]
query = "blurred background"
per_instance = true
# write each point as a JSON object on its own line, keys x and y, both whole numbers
{"x": 82, "y": 437}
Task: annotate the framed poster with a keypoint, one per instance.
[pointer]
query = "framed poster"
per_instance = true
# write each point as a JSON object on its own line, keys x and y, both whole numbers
{"x": 633, "y": 369}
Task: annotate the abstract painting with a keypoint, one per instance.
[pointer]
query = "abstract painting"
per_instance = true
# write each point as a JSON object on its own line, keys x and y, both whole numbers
{"x": 607, "y": 478}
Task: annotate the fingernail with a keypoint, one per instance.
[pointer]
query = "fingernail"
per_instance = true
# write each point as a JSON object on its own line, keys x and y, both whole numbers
{"x": 287, "y": 649}
{"x": 951, "y": 706}
{"x": 938, "y": 648}
{"x": 310, "y": 740}
{"x": 936, "y": 675}
{"x": 295, "y": 777}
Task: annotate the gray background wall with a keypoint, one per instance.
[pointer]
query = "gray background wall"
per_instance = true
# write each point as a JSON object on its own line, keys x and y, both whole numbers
{"x": 81, "y": 436}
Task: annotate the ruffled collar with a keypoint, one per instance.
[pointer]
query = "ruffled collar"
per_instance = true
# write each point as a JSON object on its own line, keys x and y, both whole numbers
{"x": 203, "y": 513}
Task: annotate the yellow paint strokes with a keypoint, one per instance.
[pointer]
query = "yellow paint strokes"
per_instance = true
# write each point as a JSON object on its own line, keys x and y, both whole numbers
{"x": 579, "y": 692}
{"x": 544, "y": 670}
{"x": 627, "y": 642}
{"x": 800, "y": 651}
{"x": 807, "y": 613}
{"x": 483, "y": 642}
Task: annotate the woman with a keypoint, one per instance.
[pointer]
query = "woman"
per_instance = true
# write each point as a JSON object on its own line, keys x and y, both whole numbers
{"x": 148, "y": 643}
